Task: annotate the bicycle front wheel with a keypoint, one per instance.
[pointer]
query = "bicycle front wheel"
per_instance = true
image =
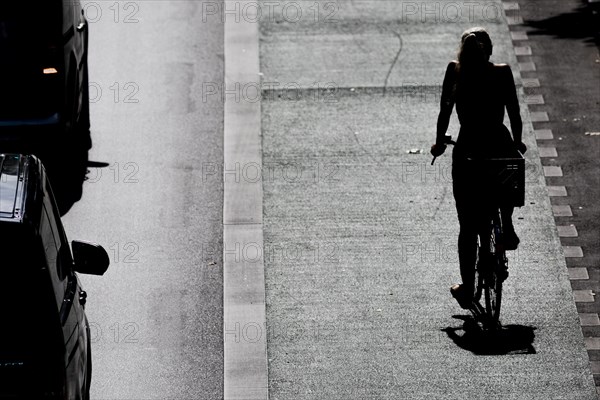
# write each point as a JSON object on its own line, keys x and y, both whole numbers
{"x": 493, "y": 283}
{"x": 493, "y": 297}
{"x": 478, "y": 282}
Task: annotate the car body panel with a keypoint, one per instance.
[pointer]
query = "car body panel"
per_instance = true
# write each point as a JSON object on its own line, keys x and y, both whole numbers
{"x": 36, "y": 38}
{"x": 45, "y": 335}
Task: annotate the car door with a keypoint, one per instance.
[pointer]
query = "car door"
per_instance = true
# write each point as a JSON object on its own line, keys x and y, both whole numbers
{"x": 75, "y": 27}
{"x": 77, "y": 22}
{"x": 70, "y": 22}
{"x": 66, "y": 292}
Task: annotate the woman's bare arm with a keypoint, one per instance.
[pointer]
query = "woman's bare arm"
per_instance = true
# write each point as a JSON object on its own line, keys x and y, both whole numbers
{"x": 512, "y": 105}
{"x": 446, "y": 103}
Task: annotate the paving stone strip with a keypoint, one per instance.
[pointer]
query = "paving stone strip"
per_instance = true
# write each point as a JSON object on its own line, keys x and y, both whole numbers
{"x": 545, "y": 137}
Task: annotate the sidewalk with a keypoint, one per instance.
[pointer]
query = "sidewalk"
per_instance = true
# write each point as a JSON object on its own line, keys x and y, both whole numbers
{"x": 360, "y": 235}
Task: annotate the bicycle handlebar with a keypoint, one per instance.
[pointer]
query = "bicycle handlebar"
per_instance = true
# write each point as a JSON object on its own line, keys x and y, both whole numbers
{"x": 447, "y": 140}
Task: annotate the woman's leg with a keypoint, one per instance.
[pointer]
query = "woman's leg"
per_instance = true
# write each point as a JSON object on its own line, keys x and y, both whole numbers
{"x": 467, "y": 237}
{"x": 511, "y": 240}
{"x": 507, "y": 213}
{"x": 467, "y": 247}
{"x": 467, "y": 218}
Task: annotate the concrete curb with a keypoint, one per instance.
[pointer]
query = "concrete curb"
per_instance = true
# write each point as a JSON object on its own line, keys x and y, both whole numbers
{"x": 245, "y": 352}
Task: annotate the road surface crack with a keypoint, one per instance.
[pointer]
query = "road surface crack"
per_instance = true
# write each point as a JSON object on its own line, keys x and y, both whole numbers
{"x": 387, "y": 77}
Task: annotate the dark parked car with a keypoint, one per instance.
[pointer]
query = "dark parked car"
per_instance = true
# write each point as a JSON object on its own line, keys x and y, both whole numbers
{"x": 45, "y": 348}
{"x": 43, "y": 74}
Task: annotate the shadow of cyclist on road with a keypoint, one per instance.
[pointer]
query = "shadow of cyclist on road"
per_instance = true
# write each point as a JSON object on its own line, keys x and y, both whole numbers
{"x": 510, "y": 339}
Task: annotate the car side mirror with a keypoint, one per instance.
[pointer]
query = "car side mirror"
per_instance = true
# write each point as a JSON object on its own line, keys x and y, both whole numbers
{"x": 89, "y": 258}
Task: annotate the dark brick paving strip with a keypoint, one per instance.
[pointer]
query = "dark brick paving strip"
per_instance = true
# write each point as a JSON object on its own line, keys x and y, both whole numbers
{"x": 563, "y": 39}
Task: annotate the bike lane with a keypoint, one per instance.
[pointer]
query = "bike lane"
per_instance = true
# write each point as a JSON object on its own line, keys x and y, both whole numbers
{"x": 360, "y": 230}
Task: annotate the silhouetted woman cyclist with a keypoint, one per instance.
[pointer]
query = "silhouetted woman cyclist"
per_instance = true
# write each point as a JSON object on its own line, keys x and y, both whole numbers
{"x": 481, "y": 91}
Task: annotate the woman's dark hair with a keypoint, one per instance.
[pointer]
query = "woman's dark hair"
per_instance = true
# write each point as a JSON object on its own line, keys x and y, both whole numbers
{"x": 473, "y": 55}
{"x": 475, "y": 47}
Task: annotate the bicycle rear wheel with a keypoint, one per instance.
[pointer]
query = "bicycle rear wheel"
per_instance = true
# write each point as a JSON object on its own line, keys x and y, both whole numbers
{"x": 478, "y": 283}
{"x": 492, "y": 281}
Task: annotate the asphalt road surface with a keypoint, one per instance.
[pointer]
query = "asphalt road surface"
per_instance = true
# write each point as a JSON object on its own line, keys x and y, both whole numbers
{"x": 156, "y": 316}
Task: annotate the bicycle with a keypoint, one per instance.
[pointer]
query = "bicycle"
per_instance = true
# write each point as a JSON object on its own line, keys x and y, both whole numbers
{"x": 491, "y": 269}
{"x": 507, "y": 178}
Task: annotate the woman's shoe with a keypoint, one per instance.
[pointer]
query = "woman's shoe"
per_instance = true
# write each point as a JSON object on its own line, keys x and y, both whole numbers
{"x": 511, "y": 240}
{"x": 464, "y": 299}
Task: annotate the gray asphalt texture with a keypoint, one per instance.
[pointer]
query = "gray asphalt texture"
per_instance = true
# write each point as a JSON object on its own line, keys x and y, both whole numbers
{"x": 360, "y": 235}
{"x": 156, "y": 315}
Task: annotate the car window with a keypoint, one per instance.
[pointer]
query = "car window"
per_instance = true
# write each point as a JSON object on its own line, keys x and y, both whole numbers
{"x": 19, "y": 21}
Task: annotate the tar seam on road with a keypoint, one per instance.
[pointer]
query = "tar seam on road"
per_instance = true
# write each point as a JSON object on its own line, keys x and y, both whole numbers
{"x": 387, "y": 77}
{"x": 244, "y": 314}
